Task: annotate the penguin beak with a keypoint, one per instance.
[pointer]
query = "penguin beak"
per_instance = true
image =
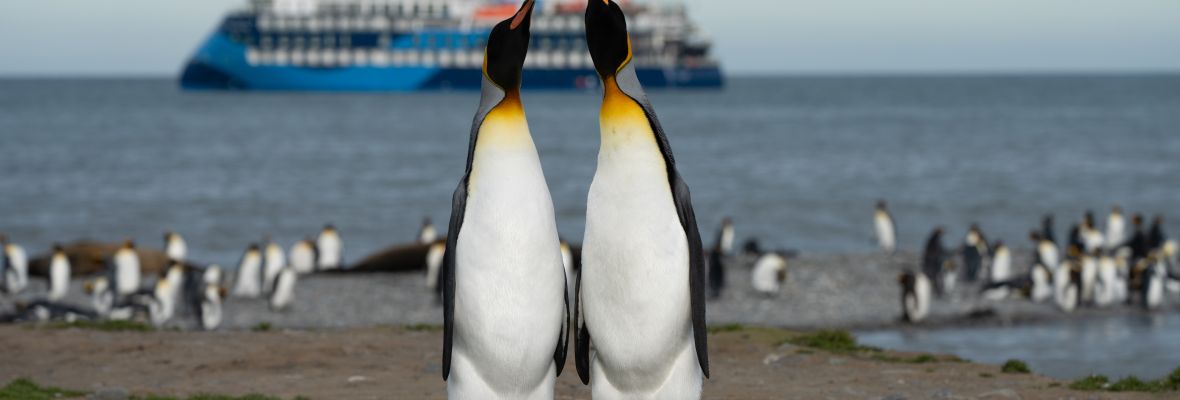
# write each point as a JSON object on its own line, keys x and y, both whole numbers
{"x": 523, "y": 16}
{"x": 606, "y": 37}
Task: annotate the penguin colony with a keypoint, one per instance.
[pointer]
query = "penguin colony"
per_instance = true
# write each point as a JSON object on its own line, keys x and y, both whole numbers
{"x": 1120, "y": 262}
{"x": 122, "y": 292}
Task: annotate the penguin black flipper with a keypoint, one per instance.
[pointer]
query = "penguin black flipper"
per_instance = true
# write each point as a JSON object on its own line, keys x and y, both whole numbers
{"x": 563, "y": 340}
{"x": 458, "y": 208}
{"x": 582, "y": 337}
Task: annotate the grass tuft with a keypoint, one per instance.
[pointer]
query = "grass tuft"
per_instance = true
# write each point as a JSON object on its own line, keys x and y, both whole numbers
{"x": 832, "y": 341}
{"x": 24, "y": 389}
{"x": 726, "y": 328}
{"x": 1015, "y": 367}
{"x": 262, "y": 327}
{"x": 108, "y": 326}
{"x": 1168, "y": 383}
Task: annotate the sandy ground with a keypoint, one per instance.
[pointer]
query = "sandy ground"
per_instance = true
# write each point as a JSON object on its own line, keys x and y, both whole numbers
{"x": 396, "y": 363}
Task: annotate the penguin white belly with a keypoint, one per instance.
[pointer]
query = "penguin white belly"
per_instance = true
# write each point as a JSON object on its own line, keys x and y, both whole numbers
{"x": 247, "y": 284}
{"x": 18, "y": 276}
{"x": 509, "y": 281}
{"x": 1089, "y": 278}
{"x": 211, "y": 308}
{"x": 635, "y": 291}
{"x": 176, "y": 250}
{"x": 275, "y": 261}
{"x": 329, "y": 252}
{"x": 1042, "y": 287}
{"x": 765, "y": 276}
{"x": 59, "y": 278}
{"x": 126, "y": 272}
{"x": 303, "y": 258}
{"x": 922, "y": 293}
{"x": 885, "y": 237}
{"x": 284, "y": 292}
{"x": 434, "y": 261}
{"x": 1001, "y": 266}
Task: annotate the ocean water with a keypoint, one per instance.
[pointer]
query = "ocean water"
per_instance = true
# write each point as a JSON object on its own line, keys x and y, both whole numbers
{"x": 797, "y": 162}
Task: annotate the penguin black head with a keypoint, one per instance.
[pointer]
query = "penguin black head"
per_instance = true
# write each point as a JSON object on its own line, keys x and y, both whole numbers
{"x": 606, "y": 37}
{"x": 1137, "y": 220}
{"x": 3, "y": 239}
{"x": 128, "y": 244}
{"x": 1116, "y": 210}
{"x": 881, "y": 205}
{"x": 426, "y": 221}
{"x": 508, "y": 44}
{"x": 998, "y": 244}
{"x": 1157, "y": 220}
{"x": 1034, "y": 236}
{"x": 329, "y": 227}
{"x": 253, "y": 247}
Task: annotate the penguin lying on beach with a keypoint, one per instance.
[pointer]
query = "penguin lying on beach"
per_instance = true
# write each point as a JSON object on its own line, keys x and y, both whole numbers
{"x": 769, "y": 273}
{"x": 915, "y": 296}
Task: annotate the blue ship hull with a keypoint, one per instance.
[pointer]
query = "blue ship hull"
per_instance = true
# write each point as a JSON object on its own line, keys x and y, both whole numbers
{"x": 220, "y": 64}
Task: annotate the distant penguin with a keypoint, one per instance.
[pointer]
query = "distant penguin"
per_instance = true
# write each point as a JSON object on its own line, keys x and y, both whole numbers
{"x": 769, "y": 273}
{"x": 434, "y": 262}
{"x": 915, "y": 296}
{"x": 16, "y": 266}
{"x": 505, "y": 310}
{"x": 1155, "y": 280}
{"x": 1139, "y": 244}
{"x": 427, "y": 233}
{"x": 1046, "y": 251}
{"x": 1116, "y": 229}
{"x": 330, "y": 248}
{"x": 1065, "y": 285}
{"x": 211, "y": 295}
{"x": 933, "y": 258}
{"x": 1075, "y": 237}
{"x": 1156, "y": 237}
{"x": 163, "y": 303}
{"x": 1001, "y": 268}
{"x": 1089, "y": 275}
{"x": 1047, "y": 229}
{"x": 302, "y": 257}
{"x": 249, "y": 275}
{"x": 59, "y": 274}
{"x": 174, "y": 247}
{"x": 175, "y": 275}
{"x": 725, "y": 236}
{"x": 886, "y": 231}
{"x": 975, "y": 252}
{"x": 1108, "y": 284}
{"x": 1092, "y": 238}
{"x": 283, "y": 293}
{"x": 1042, "y": 283}
{"x": 102, "y": 295}
{"x": 126, "y": 269}
{"x": 571, "y": 273}
{"x": 643, "y": 282}
{"x": 273, "y": 262}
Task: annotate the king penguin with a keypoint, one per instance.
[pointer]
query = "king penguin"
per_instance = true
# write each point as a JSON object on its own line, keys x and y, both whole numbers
{"x": 505, "y": 309}
{"x": 915, "y": 296}
{"x": 59, "y": 274}
{"x": 16, "y": 266}
{"x": 303, "y": 256}
{"x": 330, "y": 248}
{"x": 126, "y": 270}
{"x": 427, "y": 234}
{"x": 641, "y": 295}
{"x": 1116, "y": 229}
{"x": 248, "y": 282}
{"x": 273, "y": 262}
{"x": 886, "y": 231}
{"x": 175, "y": 247}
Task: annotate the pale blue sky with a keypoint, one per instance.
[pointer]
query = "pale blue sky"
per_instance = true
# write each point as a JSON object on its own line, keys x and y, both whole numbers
{"x": 154, "y": 37}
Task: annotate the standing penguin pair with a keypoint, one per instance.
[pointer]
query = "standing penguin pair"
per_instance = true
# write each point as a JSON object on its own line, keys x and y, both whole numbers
{"x": 640, "y": 292}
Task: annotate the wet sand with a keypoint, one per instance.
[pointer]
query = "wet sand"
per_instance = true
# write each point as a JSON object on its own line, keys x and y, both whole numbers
{"x": 400, "y": 363}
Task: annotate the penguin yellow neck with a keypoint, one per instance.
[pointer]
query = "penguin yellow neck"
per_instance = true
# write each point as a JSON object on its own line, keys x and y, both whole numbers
{"x": 622, "y": 119}
{"x": 505, "y": 125}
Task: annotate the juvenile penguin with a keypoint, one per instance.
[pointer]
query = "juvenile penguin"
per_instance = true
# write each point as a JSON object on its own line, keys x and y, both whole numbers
{"x": 126, "y": 270}
{"x": 59, "y": 274}
{"x": 427, "y": 233}
{"x": 330, "y": 248}
{"x": 1116, "y": 229}
{"x": 642, "y": 287}
{"x": 933, "y": 260}
{"x": 16, "y": 266}
{"x": 769, "y": 273}
{"x": 175, "y": 247}
{"x": 303, "y": 256}
{"x": 886, "y": 231}
{"x": 505, "y": 314}
{"x": 273, "y": 262}
{"x": 248, "y": 282}
{"x": 915, "y": 296}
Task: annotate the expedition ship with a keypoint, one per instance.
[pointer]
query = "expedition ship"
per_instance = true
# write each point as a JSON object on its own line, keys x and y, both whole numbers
{"x": 410, "y": 45}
